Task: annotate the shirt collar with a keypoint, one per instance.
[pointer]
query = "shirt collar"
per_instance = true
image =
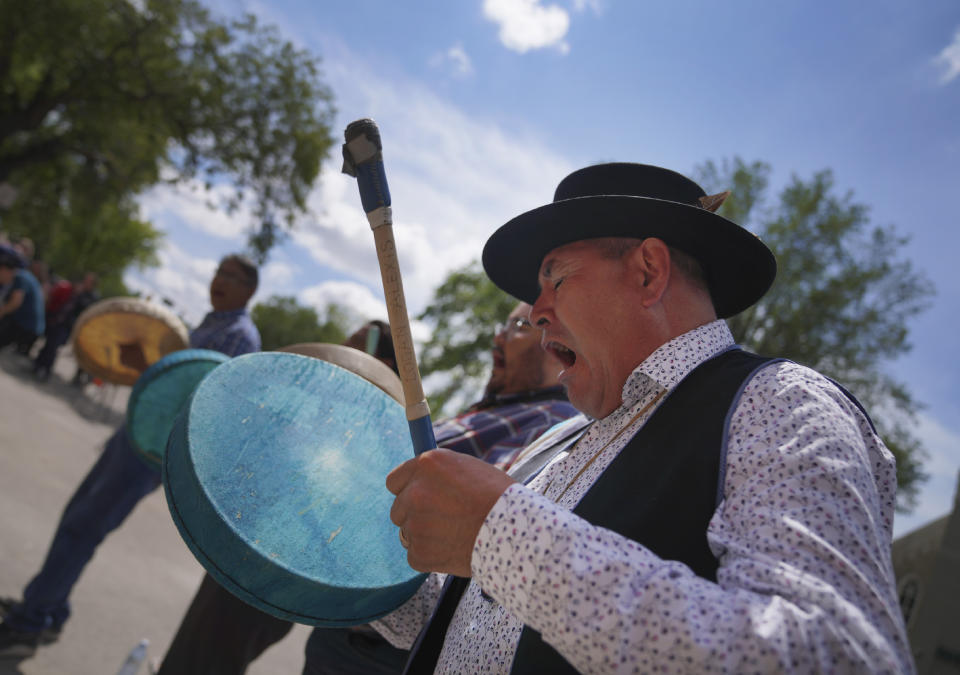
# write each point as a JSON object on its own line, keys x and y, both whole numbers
{"x": 507, "y": 399}
{"x": 228, "y": 314}
{"x": 673, "y": 360}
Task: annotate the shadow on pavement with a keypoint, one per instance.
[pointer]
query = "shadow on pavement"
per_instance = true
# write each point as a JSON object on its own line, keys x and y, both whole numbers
{"x": 103, "y": 403}
{"x": 10, "y": 666}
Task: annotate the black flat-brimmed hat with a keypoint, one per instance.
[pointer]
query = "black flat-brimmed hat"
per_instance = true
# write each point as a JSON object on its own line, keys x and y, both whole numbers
{"x": 640, "y": 201}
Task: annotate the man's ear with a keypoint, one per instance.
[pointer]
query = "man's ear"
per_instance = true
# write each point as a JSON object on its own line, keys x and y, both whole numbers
{"x": 649, "y": 267}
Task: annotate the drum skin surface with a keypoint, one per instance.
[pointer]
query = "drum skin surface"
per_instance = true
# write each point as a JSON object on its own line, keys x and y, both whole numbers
{"x": 160, "y": 393}
{"x": 274, "y": 475}
{"x": 104, "y": 328}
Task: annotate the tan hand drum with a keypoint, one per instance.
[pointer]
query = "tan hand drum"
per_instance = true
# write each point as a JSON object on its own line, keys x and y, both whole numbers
{"x": 107, "y": 330}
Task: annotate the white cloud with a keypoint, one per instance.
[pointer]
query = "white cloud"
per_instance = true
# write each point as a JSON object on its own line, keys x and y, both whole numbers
{"x": 338, "y": 236}
{"x": 948, "y": 60}
{"x": 360, "y": 301}
{"x": 595, "y": 5}
{"x": 455, "y": 59}
{"x": 458, "y": 56}
{"x": 180, "y": 280}
{"x": 526, "y": 24}
{"x": 190, "y": 204}
{"x": 276, "y": 275}
{"x": 453, "y": 180}
{"x": 355, "y": 298}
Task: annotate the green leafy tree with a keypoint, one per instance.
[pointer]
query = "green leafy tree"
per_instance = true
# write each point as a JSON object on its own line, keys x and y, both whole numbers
{"x": 842, "y": 299}
{"x": 282, "y": 321}
{"x": 463, "y": 313}
{"x": 100, "y": 99}
{"x": 103, "y": 236}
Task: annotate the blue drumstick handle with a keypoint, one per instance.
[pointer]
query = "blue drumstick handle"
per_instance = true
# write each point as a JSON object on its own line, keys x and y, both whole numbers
{"x": 372, "y": 182}
{"x": 363, "y": 158}
{"x": 421, "y": 433}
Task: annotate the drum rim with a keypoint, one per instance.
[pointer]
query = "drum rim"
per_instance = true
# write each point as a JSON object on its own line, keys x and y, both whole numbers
{"x": 393, "y": 387}
{"x": 258, "y": 601}
{"x": 152, "y": 375}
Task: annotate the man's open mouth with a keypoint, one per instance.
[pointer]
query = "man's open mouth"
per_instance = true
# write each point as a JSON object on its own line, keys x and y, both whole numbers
{"x": 566, "y": 356}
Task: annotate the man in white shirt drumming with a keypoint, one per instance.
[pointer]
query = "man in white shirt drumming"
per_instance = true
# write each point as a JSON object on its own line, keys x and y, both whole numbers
{"x": 723, "y": 512}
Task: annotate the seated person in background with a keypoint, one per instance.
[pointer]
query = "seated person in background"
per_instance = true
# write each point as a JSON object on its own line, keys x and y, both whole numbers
{"x": 21, "y": 309}
{"x": 41, "y": 272}
{"x": 60, "y": 319}
{"x": 21, "y": 251}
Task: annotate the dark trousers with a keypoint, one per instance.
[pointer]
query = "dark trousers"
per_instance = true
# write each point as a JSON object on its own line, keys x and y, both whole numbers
{"x": 351, "y": 651}
{"x": 56, "y": 335}
{"x": 12, "y": 332}
{"x": 220, "y": 634}
{"x": 112, "y": 488}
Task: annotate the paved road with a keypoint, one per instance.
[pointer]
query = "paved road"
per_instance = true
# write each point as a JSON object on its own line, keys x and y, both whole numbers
{"x": 142, "y": 578}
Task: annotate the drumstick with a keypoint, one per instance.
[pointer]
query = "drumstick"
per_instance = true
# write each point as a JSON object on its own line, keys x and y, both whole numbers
{"x": 363, "y": 158}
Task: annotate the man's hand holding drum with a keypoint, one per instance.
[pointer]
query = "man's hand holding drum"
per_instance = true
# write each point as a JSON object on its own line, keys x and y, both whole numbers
{"x": 442, "y": 500}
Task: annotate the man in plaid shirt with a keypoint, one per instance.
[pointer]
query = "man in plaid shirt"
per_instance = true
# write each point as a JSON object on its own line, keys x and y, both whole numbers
{"x": 521, "y": 401}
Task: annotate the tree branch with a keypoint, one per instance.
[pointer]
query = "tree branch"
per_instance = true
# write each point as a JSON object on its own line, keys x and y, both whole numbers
{"x": 36, "y": 152}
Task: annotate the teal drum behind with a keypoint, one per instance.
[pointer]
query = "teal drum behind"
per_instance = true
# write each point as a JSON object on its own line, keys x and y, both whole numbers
{"x": 160, "y": 393}
{"x": 274, "y": 475}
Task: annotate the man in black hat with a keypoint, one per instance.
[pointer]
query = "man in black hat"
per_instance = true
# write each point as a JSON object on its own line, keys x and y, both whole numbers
{"x": 724, "y": 512}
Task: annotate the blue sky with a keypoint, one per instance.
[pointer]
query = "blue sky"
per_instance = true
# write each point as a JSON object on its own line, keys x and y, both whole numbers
{"x": 484, "y": 105}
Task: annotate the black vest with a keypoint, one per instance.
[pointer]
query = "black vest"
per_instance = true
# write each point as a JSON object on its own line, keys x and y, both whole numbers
{"x": 671, "y": 476}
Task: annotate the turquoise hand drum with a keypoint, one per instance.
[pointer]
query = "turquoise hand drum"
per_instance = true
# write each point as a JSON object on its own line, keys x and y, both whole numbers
{"x": 274, "y": 475}
{"x": 158, "y": 396}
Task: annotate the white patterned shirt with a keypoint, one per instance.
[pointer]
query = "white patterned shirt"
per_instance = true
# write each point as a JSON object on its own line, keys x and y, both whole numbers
{"x": 802, "y": 536}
